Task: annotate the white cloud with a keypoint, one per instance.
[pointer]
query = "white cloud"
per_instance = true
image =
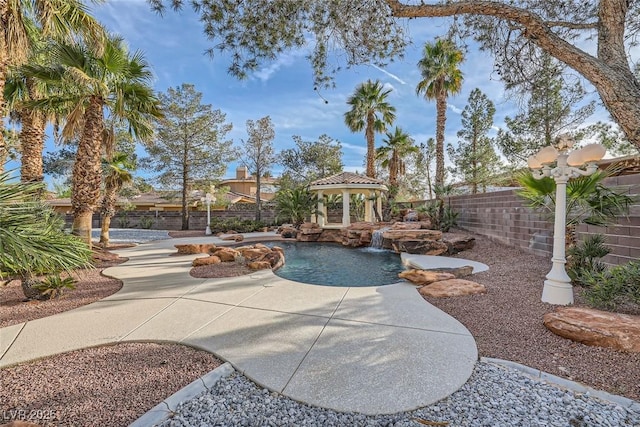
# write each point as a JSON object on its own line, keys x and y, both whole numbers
{"x": 454, "y": 108}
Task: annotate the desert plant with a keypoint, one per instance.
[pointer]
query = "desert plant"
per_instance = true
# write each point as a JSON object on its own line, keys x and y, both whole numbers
{"x": 54, "y": 286}
{"x": 612, "y": 288}
{"x": 146, "y": 222}
{"x": 296, "y": 205}
{"x": 585, "y": 258}
{"x": 449, "y": 219}
{"x": 32, "y": 240}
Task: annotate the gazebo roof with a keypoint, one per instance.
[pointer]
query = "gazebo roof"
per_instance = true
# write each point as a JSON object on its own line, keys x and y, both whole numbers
{"x": 347, "y": 180}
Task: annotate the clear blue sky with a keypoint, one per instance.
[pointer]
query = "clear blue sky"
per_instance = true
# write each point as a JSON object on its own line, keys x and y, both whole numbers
{"x": 174, "y": 45}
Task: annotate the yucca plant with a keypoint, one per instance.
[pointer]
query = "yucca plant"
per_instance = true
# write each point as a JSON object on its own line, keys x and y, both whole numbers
{"x": 295, "y": 205}
{"x": 32, "y": 240}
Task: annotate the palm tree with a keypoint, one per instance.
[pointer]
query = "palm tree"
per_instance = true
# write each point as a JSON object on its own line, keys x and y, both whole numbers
{"x": 441, "y": 77}
{"x": 112, "y": 80}
{"x": 398, "y": 145}
{"x": 54, "y": 18}
{"x": 369, "y": 111}
{"x": 118, "y": 174}
{"x": 31, "y": 238}
{"x": 589, "y": 201}
{"x": 296, "y": 205}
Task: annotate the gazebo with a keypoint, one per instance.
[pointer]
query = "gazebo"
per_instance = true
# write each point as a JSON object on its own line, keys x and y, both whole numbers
{"x": 346, "y": 184}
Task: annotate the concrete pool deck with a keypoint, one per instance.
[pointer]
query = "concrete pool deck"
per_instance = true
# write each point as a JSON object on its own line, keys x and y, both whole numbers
{"x": 372, "y": 350}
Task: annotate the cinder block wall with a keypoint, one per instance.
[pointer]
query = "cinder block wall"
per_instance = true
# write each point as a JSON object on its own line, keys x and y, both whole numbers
{"x": 503, "y": 217}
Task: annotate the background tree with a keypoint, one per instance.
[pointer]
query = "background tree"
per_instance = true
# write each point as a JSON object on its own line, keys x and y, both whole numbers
{"x": 374, "y": 31}
{"x": 474, "y": 159}
{"x": 550, "y": 108}
{"x": 258, "y": 154}
{"x": 311, "y": 160}
{"x": 190, "y": 143}
{"x": 369, "y": 111}
{"x": 441, "y": 77}
{"x": 56, "y": 18}
{"x": 398, "y": 145}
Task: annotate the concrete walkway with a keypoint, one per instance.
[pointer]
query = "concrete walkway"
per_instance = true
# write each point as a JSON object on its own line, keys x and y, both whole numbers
{"x": 372, "y": 350}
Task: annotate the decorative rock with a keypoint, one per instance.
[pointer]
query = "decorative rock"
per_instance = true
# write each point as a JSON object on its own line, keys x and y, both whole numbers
{"x": 458, "y": 242}
{"x": 191, "y": 249}
{"x": 406, "y": 226}
{"x": 227, "y": 254}
{"x": 253, "y": 253}
{"x": 595, "y": 327}
{"x": 330, "y": 235}
{"x": 459, "y": 272}
{"x": 422, "y": 247}
{"x": 235, "y": 237}
{"x": 213, "y": 259}
{"x": 452, "y": 288}
{"x": 259, "y": 265}
{"x": 289, "y": 232}
{"x": 413, "y": 234}
{"x": 424, "y": 277}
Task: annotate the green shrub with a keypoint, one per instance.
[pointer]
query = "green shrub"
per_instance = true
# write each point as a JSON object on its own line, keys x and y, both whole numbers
{"x": 613, "y": 287}
{"x": 221, "y": 225}
{"x": 146, "y": 222}
{"x": 54, "y": 286}
{"x": 584, "y": 258}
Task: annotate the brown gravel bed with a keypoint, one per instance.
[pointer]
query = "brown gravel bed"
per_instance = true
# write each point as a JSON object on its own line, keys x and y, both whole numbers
{"x": 100, "y": 386}
{"x": 223, "y": 269}
{"x": 507, "y": 323}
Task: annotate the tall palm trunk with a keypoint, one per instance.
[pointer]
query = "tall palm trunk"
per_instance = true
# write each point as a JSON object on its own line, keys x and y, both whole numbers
{"x": 4, "y": 65}
{"x": 371, "y": 146}
{"x": 87, "y": 174}
{"x": 441, "y": 117}
{"x": 32, "y": 136}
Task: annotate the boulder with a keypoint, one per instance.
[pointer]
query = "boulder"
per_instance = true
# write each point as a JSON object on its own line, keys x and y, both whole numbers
{"x": 259, "y": 265}
{"x": 289, "y": 232}
{"x": 310, "y": 226}
{"x": 459, "y": 272}
{"x": 595, "y": 327}
{"x": 421, "y": 247}
{"x": 406, "y": 226}
{"x": 253, "y": 253}
{"x": 233, "y": 237}
{"x": 458, "y": 242}
{"x": 414, "y": 234}
{"x": 213, "y": 259}
{"x": 309, "y": 232}
{"x": 424, "y": 277}
{"x": 452, "y": 288}
{"x": 226, "y": 254}
{"x": 330, "y": 235}
{"x": 191, "y": 249}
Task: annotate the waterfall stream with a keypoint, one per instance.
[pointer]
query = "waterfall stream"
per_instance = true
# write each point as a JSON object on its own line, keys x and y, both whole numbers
{"x": 376, "y": 237}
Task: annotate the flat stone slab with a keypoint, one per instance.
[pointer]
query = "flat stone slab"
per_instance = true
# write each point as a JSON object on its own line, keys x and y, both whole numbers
{"x": 431, "y": 262}
{"x": 452, "y": 288}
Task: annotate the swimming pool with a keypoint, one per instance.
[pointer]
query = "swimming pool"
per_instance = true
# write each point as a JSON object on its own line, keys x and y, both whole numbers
{"x": 335, "y": 265}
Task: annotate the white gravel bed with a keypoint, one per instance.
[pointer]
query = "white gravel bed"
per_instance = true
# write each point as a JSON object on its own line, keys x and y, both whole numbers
{"x": 494, "y": 396}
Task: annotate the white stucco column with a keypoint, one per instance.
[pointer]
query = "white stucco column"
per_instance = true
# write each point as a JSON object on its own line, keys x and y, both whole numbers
{"x": 379, "y": 203}
{"x": 321, "y": 219}
{"x": 368, "y": 207}
{"x": 346, "y": 217}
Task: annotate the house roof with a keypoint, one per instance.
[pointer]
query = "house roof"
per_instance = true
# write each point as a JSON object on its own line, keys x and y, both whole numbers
{"x": 346, "y": 178}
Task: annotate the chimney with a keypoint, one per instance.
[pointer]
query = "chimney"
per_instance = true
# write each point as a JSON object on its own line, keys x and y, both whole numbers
{"x": 242, "y": 172}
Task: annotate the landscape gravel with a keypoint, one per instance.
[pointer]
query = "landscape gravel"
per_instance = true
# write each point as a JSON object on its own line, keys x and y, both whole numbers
{"x": 494, "y": 396}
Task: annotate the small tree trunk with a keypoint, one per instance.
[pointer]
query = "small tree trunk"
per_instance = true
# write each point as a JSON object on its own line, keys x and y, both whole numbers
{"x": 28, "y": 282}
{"x": 104, "y": 230}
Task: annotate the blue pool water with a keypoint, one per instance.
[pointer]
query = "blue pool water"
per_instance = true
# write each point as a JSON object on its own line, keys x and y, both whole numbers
{"x": 335, "y": 265}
